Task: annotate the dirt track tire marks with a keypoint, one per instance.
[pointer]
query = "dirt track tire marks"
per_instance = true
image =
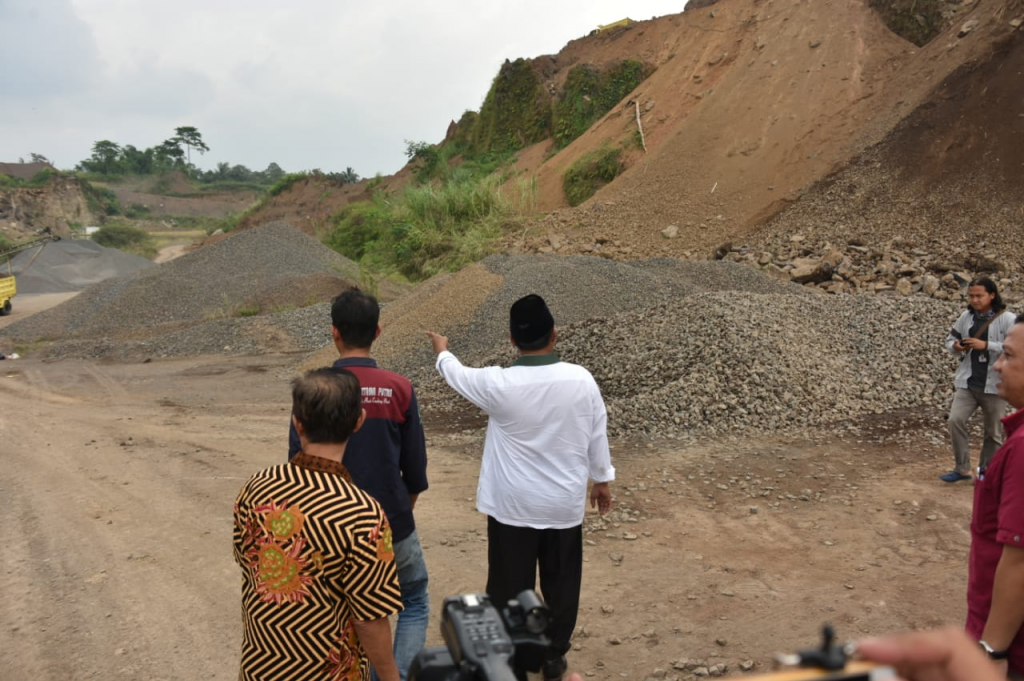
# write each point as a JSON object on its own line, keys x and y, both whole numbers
{"x": 33, "y": 384}
{"x": 37, "y": 379}
{"x": 110, "y": 386}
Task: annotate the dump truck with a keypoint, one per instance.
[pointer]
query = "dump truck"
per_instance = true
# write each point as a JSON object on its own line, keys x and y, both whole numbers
{"x": 615, "y": 24}
{"x": 8, "y": 289}
{"x": 8, "y": 285}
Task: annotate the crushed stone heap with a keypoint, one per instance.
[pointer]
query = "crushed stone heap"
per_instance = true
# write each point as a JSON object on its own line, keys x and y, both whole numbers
{"x": 683, "y": 348}
{"x": 71, "y": 265}
{"x": 237, "y": 277}
{"x": 734, "y": 362}
{"x": 471, "y": 306}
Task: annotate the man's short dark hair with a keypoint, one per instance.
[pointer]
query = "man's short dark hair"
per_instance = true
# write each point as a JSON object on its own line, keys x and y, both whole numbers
{"x": 355, "y": 314}
{"x": 327, "y": 402}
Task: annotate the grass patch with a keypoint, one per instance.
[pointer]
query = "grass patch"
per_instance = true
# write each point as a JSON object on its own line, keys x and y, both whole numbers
{"x": 184, "y": 236}
{"x": 247, "y": 310}
{"x": 428, "y": 229}
{"x": 590, "y": 173}
{"x": 126, "y": 238}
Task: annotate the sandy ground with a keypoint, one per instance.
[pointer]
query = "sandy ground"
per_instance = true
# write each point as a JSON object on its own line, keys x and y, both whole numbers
{"x": 118, "y": 482}
{"x": 168, "y": 253}
{"x": 25, "y": 304}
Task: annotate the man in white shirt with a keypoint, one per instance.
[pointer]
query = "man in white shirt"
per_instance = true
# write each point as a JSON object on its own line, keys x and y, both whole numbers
{"x": 546, "y": 437}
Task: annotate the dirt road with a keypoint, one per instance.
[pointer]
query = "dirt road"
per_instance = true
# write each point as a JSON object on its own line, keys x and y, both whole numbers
{"x": 168, "y": 253}
{"x": 118, "y": 482}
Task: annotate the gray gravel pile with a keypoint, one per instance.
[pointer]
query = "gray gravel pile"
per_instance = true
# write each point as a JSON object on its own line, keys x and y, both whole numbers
{"x": 300, "y": 330}
{"x": 217, "y": 282}
{"x": 726, "y": 363}
{"x": 71, "y": 265}
{"x": 577, "y": 288}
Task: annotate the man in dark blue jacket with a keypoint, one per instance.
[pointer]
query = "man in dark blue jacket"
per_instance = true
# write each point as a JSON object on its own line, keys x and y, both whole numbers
{"x": 387, "y": 458}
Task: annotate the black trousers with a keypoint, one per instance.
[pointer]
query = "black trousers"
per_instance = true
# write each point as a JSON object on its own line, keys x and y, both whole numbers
{"x": 513, "y": 556}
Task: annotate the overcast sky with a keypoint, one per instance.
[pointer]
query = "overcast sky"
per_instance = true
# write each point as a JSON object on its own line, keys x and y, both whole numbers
{"x": 308, "y": 84}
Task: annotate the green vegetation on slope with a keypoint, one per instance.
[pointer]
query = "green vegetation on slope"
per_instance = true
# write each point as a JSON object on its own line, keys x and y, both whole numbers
{"x": 515, "y": 113}
{"x": 518, "y": 111}
{"x": 126, "y": 238}
{"x": 590, "y": 94}
{"x": 590, "y": 173}
{"x": 100, "y": 200}
{"x": 427, "y": 229}
{"x": 918, "y": 21}
{"x": 40, "y": 179}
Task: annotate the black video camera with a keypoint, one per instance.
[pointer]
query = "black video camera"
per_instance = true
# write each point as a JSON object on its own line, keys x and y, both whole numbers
{"x": 482, "y": 641}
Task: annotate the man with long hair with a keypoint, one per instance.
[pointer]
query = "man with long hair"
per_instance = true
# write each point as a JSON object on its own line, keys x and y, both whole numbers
{"x": 976, "y": 339}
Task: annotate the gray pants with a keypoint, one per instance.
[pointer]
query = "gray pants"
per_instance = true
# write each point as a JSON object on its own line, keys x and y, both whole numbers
{"x": 965, "y": 402}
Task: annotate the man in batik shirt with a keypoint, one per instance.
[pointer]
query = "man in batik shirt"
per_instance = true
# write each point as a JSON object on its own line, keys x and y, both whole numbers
{"x": 319, "y": 578}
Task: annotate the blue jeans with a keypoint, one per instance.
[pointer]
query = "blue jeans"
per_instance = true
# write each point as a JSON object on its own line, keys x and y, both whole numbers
{"x": 411, "y": 631}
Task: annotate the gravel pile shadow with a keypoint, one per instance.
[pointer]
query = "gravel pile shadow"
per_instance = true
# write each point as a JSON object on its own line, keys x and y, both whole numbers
{"x": 224, "y": 280}
{"x": 71, "y": 265}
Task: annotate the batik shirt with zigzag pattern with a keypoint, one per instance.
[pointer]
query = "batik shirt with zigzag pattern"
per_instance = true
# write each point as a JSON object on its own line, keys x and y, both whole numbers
{"x": 315, "y": 553}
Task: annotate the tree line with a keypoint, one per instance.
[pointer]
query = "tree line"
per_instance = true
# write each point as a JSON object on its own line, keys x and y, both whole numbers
{"x": 175, "y": 153}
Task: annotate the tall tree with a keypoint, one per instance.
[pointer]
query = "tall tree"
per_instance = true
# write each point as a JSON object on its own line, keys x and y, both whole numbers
{"x": 273, "y": 173}
{"x": 170, "y": 152}
{"x": 39, "y": 158}
{"x": 349, "y": 176}
{"x": 104, "y": 157}
{"x": 137, "y": 161}
{"x": 191, "y": 138}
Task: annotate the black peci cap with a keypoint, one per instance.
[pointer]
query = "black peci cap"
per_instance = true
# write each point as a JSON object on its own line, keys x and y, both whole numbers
{"x": 530, "y": 319}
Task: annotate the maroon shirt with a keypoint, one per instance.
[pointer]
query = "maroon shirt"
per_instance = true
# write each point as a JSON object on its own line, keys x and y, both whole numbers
{"x": 998, "y": 520}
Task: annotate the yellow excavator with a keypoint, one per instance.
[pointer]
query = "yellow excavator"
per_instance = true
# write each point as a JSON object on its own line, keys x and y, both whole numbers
{"x": 8, "y": 286}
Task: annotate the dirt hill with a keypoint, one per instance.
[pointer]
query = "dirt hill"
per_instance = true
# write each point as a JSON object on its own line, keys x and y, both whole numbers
{"x": 946, "y": 181}
{"x": 751, "y": 106}
{"x": 750, "y": 103}
{"x": 57, "y": 204}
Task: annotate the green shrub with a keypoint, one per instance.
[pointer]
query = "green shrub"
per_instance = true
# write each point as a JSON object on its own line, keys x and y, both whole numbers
{"x": 43, "y": 177}
{"x": 100, "y": 200}
{"x": 590, "y": 173}
{"x": 918, "y": 21}
{"x": 286, "y": 182}
{"x": 589, "y": 94}
{"x": 4, "y": 243}
{"x": 137, "y": 211}
{"x": 126, "y": 238}
{"x": 247, "y": 310}
{"x": 427, "y": 229}
{"x": 357, "y": 226}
